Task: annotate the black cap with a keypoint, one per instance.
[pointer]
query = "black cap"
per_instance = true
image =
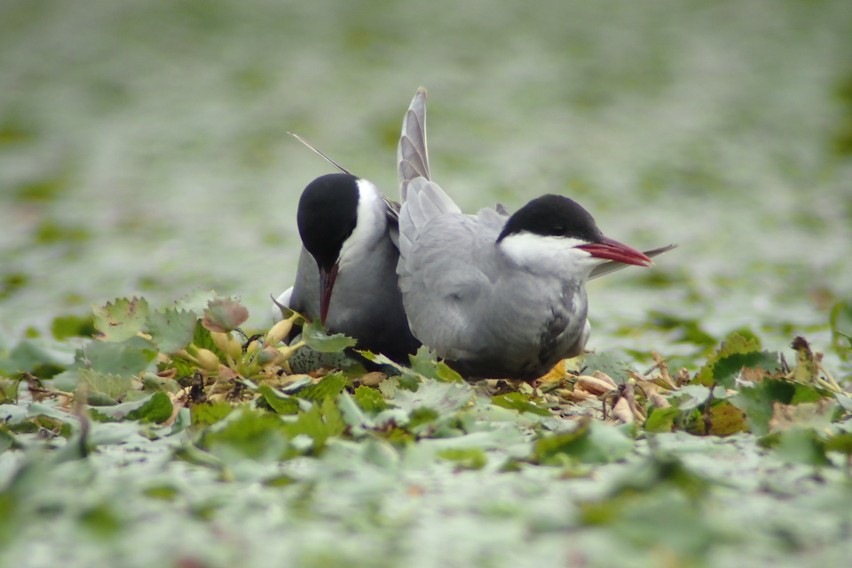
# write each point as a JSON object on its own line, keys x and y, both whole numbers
{"x": 327, "y": 215}
{"x": 553, "y": 216}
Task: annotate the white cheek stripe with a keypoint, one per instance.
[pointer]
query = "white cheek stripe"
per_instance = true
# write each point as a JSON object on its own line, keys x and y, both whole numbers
{"x": 549, "y": 255}
{"x": 370, "y": 223}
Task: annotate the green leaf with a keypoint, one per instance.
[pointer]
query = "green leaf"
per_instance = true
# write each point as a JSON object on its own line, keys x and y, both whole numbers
{"x": 662, "y": 419}
{"x": 66, "y": 381}
{"x": 247, "y": 433}
{"x": 725, "y": 419}
{"x": 608, "y": 364}
{"x": 121, "y": 319}
{"x": 38, "y": 356}
{"x": 7, "y": 441}
{"x": 195, "y": 301}
{"x": 279, "y": 402}
{"x": 467, "y": 458}
{"x": 126, "y": 358}
{"x": 425, "y": 363}
{"x": 520, "y": 402}
{"x": 353, "y": 414}
{"x": 224, "y": 315}
{"x": 444, "y": 372}
{"x": 329, "y": 387}
{"x": 164, "y": 492}
{"x": 841, "y": 442}
{"x": 844, "y": 400}
{"x": 317, "y": 339}
{"x": 590, "y": 442}
{"x": 115, "y": 387}
{"x": 370, "y": 400}
{"x": 661, "y": 470}
{"x": 757, "y": 402}
{"x": 735, "y": 344}
{"x": 101, "y": 520}
{"x": 64, "y": 327}
{"x": 798, "y": 445}
{"x": 156, "y": 383}
{"x": 319, "y": 424}
{"x": 172, "y": 329}
{"x": 408, "y": 378}
{"x": 444, "y": 398}
{"x": 841, "y": 320}
{"x": 690, "y": 396}
{"x": 156, "y": 409}
{"x": 101, "y": 400}
{"x": 726, "y": 369}
{"x": 209, "y": 413}
{"x": 423, "y": 416}
{"x": 805, "y": 393}
{"x": 817, "y": 416}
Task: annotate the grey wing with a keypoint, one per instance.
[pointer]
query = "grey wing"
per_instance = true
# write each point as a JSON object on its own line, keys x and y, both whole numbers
{"x": 281, "y": 304}
{"x": 412, "y": 154}
{"x": 442, "y": 283}
{"x": 493, "y": 219}
{"x": 437, "y": 269}
{"x": 426, "y": 201}
{"x": 422, "y": 199}
{"x": 305, "y": 297}
{"x": 392, "y": 215}
{"x": 612, "y": 266}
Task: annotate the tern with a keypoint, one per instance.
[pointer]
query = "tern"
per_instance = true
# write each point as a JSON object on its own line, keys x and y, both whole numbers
{"x": 346, "y": 275}
{"x": 496, "y": 295}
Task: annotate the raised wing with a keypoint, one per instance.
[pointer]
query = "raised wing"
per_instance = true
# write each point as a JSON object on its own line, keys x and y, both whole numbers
{"x": 412, "y": 154}
{"x": 426, "y": 201}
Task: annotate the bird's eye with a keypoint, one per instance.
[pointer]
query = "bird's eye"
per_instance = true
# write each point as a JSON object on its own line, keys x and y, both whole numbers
{"x": 558, "y": 230}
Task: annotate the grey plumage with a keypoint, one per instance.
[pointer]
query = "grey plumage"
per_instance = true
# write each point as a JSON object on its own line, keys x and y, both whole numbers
{"x": 475, "y": 298}
{"x": 365, "y": 301}
{"x": 463, "y": 305}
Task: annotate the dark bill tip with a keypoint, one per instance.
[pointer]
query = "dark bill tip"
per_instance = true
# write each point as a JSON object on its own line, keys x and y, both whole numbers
{"x": 327, "y": 278}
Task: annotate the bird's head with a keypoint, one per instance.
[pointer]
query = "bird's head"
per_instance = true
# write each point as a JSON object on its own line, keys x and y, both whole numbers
{"x": 553, "y": 228}
{"x": 336, "y": 214}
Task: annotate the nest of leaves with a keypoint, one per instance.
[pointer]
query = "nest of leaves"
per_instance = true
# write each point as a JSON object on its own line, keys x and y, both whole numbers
{"x": 190, "y": 366}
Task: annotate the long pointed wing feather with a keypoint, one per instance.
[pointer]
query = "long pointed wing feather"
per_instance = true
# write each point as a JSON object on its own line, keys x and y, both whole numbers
{"x": 611, "y": 266}
{"x": 320, "y": 153}
{"x": 392, "y": 207}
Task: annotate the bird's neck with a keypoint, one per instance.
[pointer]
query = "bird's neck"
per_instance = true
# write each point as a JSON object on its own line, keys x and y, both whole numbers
{"x": 371, "y": 225}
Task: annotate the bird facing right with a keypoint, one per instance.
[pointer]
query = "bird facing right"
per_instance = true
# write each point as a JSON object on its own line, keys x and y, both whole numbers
{"x": 498, "y": 296}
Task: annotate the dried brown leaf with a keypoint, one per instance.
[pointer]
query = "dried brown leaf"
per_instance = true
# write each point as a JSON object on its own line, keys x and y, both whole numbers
{"x": 597, "y": 385}
{"x": 622, "y": 412}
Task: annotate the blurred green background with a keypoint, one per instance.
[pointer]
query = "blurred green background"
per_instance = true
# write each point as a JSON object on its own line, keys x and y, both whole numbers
{"x": 143, "y": 145}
